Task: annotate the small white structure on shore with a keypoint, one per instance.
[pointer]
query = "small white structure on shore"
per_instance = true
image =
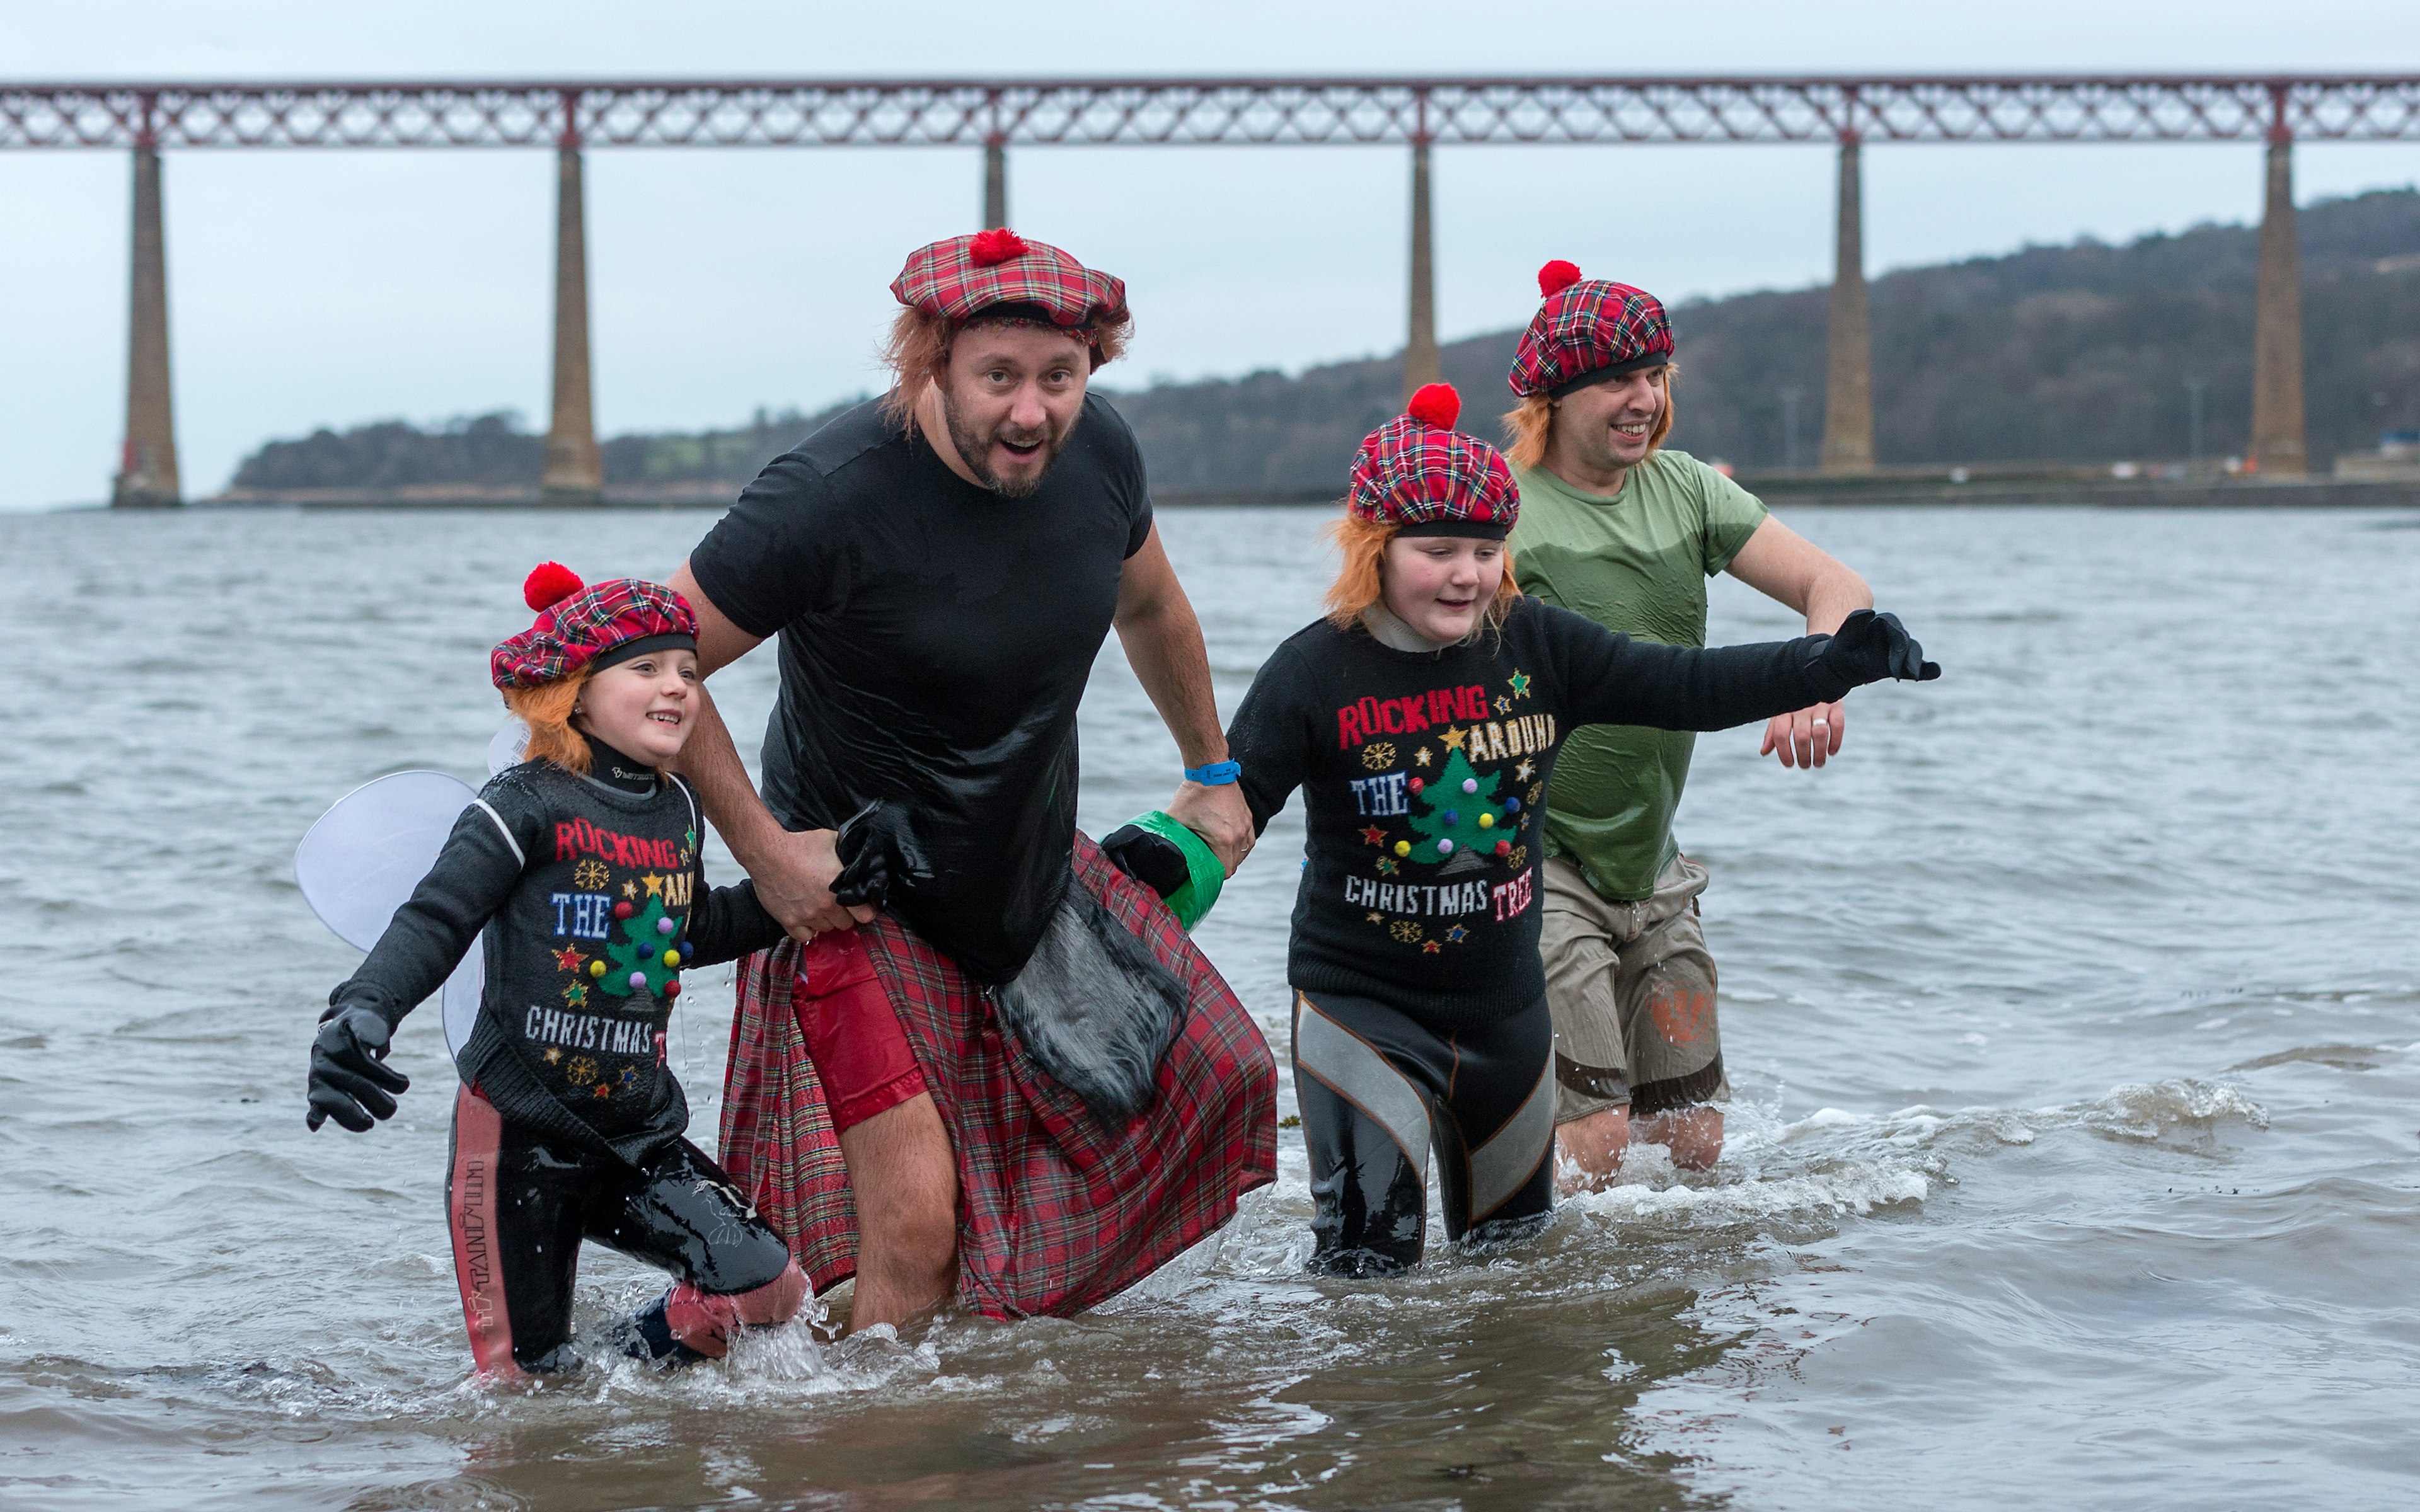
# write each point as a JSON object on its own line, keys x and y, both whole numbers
{"x": 2397, "y": 458}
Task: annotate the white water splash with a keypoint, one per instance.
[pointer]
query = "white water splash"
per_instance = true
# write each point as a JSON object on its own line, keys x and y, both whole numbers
{"x": 1835, "y": 1161}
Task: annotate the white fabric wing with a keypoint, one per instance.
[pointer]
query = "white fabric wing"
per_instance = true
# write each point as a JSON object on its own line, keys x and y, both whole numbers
{"x": 506, "y": 747}
{"x": 360, "y": 862}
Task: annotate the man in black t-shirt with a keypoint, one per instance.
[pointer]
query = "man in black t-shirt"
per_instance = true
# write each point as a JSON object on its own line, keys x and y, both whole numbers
{"x": 942, "y": 566}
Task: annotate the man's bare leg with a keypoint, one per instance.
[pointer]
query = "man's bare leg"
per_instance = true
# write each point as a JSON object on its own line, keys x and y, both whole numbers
{"x": 906, "y": 1180}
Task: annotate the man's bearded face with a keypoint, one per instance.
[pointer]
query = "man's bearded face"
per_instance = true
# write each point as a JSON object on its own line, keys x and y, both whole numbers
{"x": 1609, "y": 423}
{"x": 1012, "y": 399}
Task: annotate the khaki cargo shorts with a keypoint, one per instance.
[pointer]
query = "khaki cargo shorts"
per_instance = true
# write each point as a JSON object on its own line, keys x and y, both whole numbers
{"x": 1631, "y": 987}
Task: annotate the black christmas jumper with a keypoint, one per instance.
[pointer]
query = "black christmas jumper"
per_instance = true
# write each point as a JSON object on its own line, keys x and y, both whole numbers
{"x": 1423, "y": 774}
{"x": 592, "y": 894}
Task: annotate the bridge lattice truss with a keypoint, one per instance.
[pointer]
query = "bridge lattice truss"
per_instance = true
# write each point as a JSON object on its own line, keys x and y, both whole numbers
{"x": 1202, "y": 112}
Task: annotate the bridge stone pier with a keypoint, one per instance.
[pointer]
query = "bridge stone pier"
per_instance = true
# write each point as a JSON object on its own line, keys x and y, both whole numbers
{"x": 1422, "y": 363}
{"x": 575, "y": 470}
{"x": 146, "y": 470}
{"x": 1849, "y": 356}
{"x": 2277, "y": 412}
{"x": 995, "y": 182}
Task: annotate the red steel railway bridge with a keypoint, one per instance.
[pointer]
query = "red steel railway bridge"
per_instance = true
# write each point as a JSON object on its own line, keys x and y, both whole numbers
{"x": 573, "y": 117}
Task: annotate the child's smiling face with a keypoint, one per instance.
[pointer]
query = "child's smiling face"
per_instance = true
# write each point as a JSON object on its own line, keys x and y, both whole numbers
{"x": 1440, "y": 585}
{"x": 643, "y": 707}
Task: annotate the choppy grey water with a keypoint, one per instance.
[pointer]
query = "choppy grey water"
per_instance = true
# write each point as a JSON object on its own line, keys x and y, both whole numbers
{"x": 2075, "y": 1016}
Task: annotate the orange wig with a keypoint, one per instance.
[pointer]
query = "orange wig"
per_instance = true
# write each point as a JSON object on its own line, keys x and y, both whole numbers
{"x": 1530, "y": 424}
{"x": 1359, "y": 580}
{"x": 547, "y": 710}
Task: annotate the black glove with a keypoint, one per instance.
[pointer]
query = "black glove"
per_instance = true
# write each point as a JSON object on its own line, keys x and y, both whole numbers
{"x": 1151, "y": 859}
{"x": 877, "y": 847}
{"x": 351, "y": 1080}
{"x": 1870, "y": 647}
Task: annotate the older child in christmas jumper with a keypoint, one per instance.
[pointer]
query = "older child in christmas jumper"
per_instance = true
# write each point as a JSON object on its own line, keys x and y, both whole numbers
{"x": 1421, "y": 718}
{"x": 582, "y": 864}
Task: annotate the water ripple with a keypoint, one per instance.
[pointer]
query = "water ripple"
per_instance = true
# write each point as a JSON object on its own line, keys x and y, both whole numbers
{"x": 2072, "y": 1017}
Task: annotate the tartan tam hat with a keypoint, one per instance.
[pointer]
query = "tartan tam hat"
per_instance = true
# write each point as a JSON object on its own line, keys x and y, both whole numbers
{"x": 591, "y": 626}
{"x": 1421, "y": 476}
{"x": 964, "y": 276}
{"x": 1589, "y": 330}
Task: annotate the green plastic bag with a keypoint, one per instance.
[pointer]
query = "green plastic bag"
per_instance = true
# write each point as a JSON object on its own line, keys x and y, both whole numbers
{"x": 1192, "y": 900}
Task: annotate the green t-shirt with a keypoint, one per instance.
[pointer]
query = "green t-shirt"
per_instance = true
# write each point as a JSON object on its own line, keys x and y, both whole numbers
{"x": 1637, "y": 562}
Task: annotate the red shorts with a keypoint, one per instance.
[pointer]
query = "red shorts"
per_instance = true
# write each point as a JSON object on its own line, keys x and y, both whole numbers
{"x": 853, "y": 1035}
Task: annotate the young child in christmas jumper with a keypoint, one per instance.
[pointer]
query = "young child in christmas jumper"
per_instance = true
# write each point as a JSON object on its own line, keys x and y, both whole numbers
{"x": 582, "y": 866}
{"x": 1421, "y": 718}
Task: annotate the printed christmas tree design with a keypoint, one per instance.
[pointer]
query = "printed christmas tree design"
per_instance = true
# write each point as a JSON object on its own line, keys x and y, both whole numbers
{"x": 1463, "y": 821}
{"x": 642, "y": 950}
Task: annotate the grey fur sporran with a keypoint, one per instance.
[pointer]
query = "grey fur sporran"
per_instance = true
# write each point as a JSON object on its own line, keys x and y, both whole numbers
{"x": 1095, "y": 1009}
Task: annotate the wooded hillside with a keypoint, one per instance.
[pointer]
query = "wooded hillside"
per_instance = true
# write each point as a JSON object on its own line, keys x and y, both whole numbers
{"x": 2075, "y": 353}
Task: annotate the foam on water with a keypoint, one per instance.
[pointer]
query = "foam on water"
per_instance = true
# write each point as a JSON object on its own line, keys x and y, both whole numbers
{"x": 1834, "y": 1162}
{"x": 1830, "y": 1164}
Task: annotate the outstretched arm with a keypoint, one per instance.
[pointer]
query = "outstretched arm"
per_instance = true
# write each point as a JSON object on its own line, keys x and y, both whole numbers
{"x": 350, "y": 1081}
{"x": 1787, "y": 567}
{"x": 1163, "y": 643}
{"x": 427, "y": 939}
{"x": 793, "y": 873}
{"x": 1613, "y": 679}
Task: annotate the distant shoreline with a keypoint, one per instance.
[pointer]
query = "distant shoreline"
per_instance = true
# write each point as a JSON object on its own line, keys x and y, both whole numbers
{"x": 1905, "y": 487}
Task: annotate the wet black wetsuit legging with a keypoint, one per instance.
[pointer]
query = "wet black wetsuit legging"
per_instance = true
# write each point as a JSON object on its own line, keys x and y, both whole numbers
{"x": 1378, "y": 1090}
{"x": 520, "y": 1206}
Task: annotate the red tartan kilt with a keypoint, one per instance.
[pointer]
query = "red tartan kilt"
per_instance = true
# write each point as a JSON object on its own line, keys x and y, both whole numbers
{"x": 1056, "y": 1212}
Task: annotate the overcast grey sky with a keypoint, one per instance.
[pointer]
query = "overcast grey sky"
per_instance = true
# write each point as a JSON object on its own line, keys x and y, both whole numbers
{"x": 330, "y": 288}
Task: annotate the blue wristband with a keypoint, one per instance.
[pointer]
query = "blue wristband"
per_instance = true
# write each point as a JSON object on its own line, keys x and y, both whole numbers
{"x": 1216, "y": 775}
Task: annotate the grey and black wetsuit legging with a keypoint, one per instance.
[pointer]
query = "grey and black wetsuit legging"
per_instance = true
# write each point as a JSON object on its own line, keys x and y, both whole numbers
{"x": 519, "y": 1205}
{"x": 1380, "y": 1092}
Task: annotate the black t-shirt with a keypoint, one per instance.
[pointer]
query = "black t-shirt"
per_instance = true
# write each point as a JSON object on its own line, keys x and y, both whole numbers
{"x": 1423, "y": 776}
{"x": 935, "y": 641}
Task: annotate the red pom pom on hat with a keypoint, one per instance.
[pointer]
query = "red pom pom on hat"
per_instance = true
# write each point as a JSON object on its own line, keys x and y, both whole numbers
{"x": 997, "y": 245}
{"x": 1556, "y": 277}
{"x": 1436, "y": 404}
{"x": 549, "y": 584}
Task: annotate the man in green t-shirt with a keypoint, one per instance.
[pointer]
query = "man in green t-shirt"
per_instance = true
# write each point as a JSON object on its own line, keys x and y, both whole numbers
{"x": 1616, "y": 528}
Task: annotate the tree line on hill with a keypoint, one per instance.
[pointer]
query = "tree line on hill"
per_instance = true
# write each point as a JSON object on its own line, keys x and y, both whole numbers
{"x": 2081, "y": 353}
{"x": 499, "y": 451}
{"x": 2054, "y": 354}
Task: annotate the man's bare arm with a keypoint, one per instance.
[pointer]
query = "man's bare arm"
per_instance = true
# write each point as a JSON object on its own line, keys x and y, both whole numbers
{"x": 1785, "y": 567}
{"x": 1163, "y": 643}
{"x": 710, "y": 759}
{"x": 793, "y": 870}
